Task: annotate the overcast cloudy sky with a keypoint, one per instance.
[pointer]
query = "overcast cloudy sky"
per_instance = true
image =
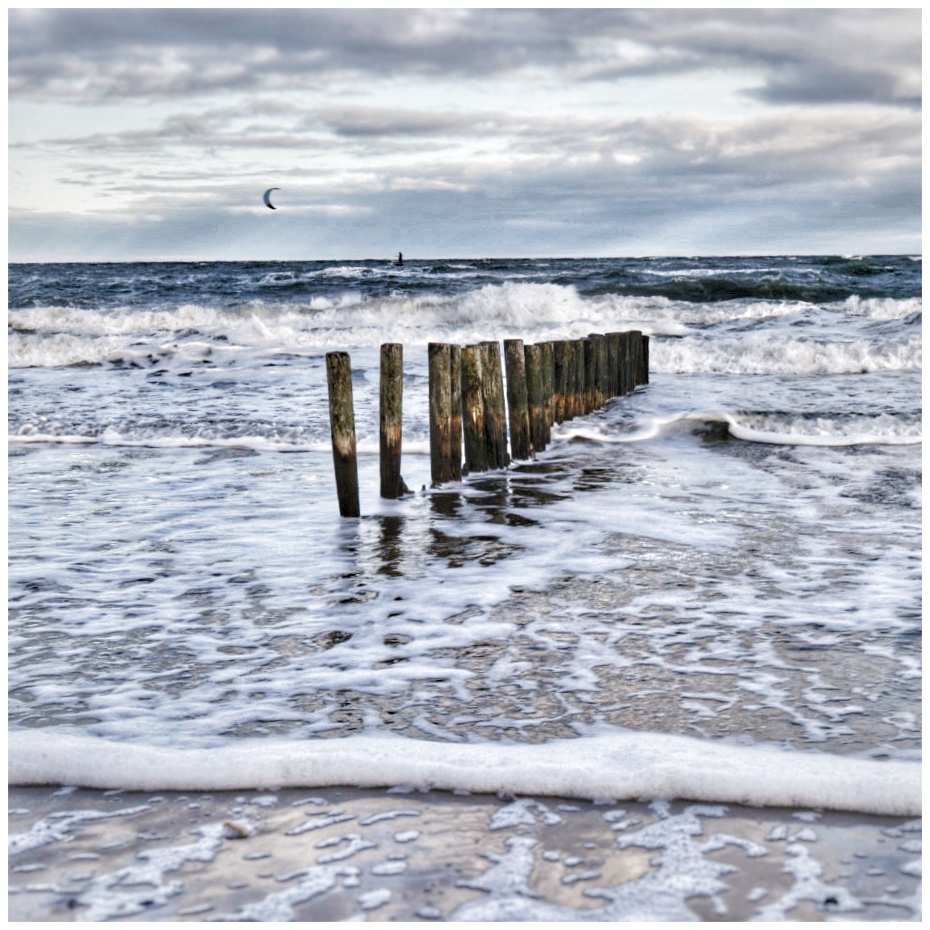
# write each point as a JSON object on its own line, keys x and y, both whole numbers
{"x": 152, "y": 133}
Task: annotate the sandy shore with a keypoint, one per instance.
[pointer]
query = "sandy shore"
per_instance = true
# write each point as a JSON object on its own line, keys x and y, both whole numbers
{"x": 336, "y": 854}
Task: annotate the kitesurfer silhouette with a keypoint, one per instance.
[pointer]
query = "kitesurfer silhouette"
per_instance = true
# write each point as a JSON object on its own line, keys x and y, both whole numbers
{"x": 400, "y": 259}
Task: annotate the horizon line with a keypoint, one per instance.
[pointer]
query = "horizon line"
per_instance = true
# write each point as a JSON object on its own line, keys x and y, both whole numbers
{"x": 472, "y": 258}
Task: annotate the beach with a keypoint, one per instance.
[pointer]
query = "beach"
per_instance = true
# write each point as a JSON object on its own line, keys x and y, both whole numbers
{"x": 696, "y": 612}
{"x": 339, "y": 854}
{"x": 409, "y": 853}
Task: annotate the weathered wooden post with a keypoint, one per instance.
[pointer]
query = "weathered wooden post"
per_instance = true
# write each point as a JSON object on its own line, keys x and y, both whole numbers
{"x": 636, "y": 354}
{"x": 569, "y": 365}
{"x": 455, "y": 422}
{"x": 590, "y": 375}
{"x": 596, "y": 398}
{"x": 495, "y": 416}
{"x": 515, "y": 367}
{"x": 613, "y": 364}
{"x": 342, "y": 429}
{"x": 628, "y": 352}
{"x": 440, "y": 412}
{"x": 603, "y": 373}
{"x": 548, "y": 373}
{"x": 569, "y": 380}
{"x": 644, "y": 374}
{"x": 391, "y": 419}
{"x": 632, "y": 354}
{"x": 559, "y": 380}
{"x": 634, "y": 349}
{"x": 534, "y": 396}
{"x": 579, "y": 378}
{"x": 626, "y": 363}
{"x": 476, "y": 456}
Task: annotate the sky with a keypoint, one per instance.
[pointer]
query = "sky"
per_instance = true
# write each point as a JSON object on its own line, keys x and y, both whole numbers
{"x": 151, "y": 134}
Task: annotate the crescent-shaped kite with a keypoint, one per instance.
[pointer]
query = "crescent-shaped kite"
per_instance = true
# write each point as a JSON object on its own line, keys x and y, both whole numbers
{"x": 267, "y": 197}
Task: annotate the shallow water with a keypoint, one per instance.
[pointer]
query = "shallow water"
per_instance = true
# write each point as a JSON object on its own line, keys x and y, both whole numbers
{"x": 731, "y": 552}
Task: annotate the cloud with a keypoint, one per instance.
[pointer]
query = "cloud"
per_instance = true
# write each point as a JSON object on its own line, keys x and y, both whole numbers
{"x": 381, "y": 122}
{"x": 93, "y": 55}
{"x": 549, "y": 165}
{"x": 602, "y": 210}
{"x": 801, "y": 56}
{"x": 462, "y": 131}
{"x": 783, "y": 183}
{"x": 816, "y": 82}
{"x": 766, "y": 135}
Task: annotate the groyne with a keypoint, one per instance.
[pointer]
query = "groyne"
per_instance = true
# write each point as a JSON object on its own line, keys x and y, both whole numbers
{"x": 477, "y": 402}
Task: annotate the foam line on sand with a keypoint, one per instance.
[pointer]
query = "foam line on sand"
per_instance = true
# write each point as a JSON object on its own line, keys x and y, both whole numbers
{"x": 621, "y": 766}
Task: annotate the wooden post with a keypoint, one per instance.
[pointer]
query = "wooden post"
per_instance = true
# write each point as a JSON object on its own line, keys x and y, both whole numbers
{"x": 597, "y": 398}
{"x": 391, "y": 419}
{"x": 603, "y": 371}
{"x": 548, "y": 373}
{"x": 579, "y": 378}
{"x": 625, "y": 360}
{"x": 632, "y": 360}
{"x": 455, "y": 422}
{"x": 644, "y": 374}
{"x": 495, "y": 416}
{"x": 569, "y": 379}
{"x": 515, "y": 366}
{"x": 613, "y": 364}
{"x": 636, "y": 356}
{"x": 590, "y": 375}
{"x": 342, "y": 428}
{"x": 569, "y": 363}
{"x": 476, "y": 456}
{"x": 440, "y": 412}
{"x": 534, "y": 396}
{"x": 560, "y": 359}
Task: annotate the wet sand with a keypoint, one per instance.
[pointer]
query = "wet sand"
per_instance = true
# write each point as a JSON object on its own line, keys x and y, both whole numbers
{"x": 338, "y": 853}
{"x": 334, "y": 854}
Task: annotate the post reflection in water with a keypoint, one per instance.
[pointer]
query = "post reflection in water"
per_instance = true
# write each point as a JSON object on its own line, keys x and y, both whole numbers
{"x": 390, "y": 549}
{"x": 451, "y": 526}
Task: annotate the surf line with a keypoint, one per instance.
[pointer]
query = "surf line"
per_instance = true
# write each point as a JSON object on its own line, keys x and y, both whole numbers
{"x": 614, "y": 767}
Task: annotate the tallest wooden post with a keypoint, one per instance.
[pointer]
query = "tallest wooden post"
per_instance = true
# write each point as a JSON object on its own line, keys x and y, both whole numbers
{"x": 342, "y": 428}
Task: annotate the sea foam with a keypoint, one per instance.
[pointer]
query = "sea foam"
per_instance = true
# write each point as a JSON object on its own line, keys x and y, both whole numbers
{"x": 51, "y": 336}
{"x": 772, "y": 429}
{"x": 616, "y": 766}
{"x": 760, "y": 354}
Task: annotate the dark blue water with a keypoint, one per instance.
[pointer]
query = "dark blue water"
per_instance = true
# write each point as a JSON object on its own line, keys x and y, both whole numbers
{"x": 812, "y": 279}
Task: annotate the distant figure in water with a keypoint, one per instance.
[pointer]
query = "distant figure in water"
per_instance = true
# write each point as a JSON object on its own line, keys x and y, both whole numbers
{"x": 400, "y": 259}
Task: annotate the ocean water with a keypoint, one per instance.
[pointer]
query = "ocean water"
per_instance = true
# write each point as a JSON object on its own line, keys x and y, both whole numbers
{"x": 723, "y": 565}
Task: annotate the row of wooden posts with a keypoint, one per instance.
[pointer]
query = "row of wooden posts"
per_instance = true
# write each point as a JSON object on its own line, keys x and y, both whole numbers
{"x": 546, "y": 383}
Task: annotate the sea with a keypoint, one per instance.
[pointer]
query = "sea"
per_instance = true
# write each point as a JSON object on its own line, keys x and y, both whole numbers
{"x": 708, "y": 589}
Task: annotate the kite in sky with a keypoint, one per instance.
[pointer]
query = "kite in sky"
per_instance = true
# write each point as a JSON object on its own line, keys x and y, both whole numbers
{"x": 267, "y": 198}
